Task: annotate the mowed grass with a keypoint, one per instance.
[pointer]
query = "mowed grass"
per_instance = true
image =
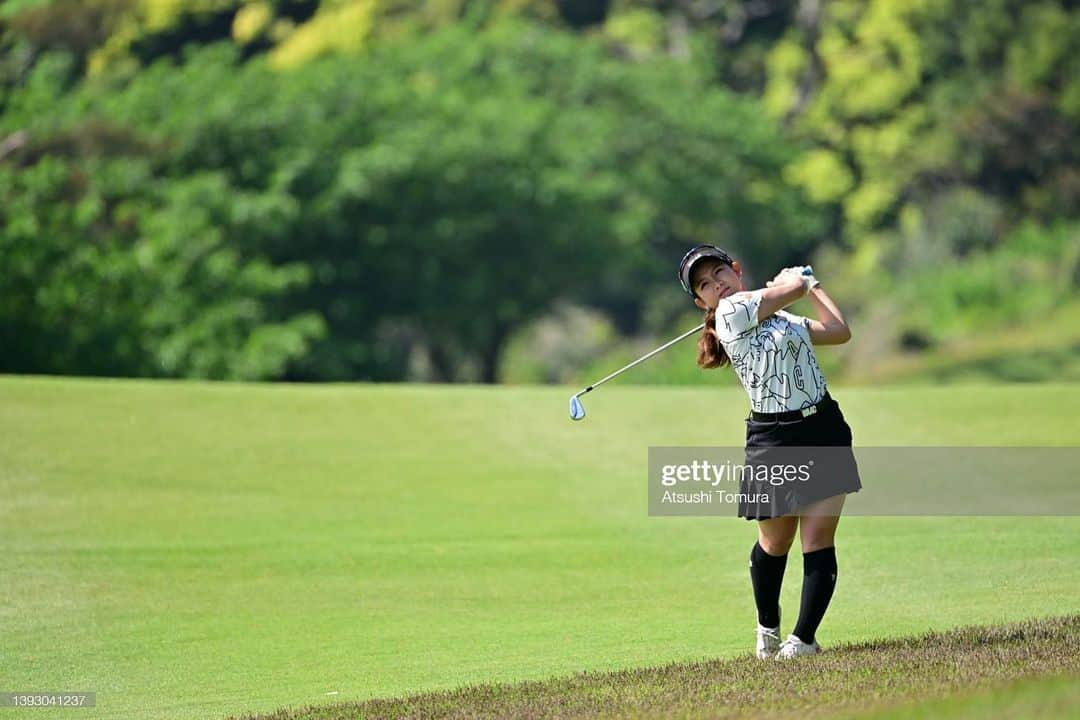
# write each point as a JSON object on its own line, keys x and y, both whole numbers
{"x": 1029, "y": 669}
{"x": 198, "y": 550}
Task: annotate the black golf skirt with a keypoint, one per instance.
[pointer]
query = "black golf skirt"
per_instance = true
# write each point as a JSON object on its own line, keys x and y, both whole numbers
{"x": 797, "y": 462}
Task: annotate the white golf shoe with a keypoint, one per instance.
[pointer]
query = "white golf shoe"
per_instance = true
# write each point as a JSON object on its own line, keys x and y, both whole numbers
{"x": 794, "y": 647}
{"x": 768, "y": 641}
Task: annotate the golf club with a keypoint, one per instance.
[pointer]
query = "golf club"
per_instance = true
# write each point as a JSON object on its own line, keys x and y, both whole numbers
{"x": 577, "y": 410}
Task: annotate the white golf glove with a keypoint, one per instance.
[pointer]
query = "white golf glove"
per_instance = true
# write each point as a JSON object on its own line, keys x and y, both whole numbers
{"x": 806, "y": 274}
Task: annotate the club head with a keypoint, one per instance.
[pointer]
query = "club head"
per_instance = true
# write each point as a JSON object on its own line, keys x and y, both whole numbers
{"x": 577, "y": 410}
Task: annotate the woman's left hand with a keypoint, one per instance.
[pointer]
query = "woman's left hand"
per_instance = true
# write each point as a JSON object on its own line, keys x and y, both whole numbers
{"x": 799, "y": 272}
{"x": 785, "y": 275}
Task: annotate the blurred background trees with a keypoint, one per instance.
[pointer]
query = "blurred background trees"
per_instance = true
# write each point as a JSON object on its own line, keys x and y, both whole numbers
{"x": 496, "y": 190}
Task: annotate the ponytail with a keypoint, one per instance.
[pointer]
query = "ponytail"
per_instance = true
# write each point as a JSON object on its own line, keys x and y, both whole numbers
{"x": 711, "y": 353}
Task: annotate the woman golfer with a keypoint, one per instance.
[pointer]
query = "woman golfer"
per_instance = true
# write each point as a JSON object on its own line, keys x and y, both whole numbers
{"x": 772, "y": 352}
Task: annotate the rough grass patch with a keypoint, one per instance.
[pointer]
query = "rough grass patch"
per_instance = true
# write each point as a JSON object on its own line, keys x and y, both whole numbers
{"x": 874, "y": 676}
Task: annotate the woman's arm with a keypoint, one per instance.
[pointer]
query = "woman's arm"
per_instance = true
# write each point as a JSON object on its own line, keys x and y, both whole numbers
{"x": 830, "y": 327}
{"x": 781, "y": 291}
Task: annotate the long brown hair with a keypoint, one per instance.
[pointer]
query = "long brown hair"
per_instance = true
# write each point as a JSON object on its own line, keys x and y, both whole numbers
{"x": 710, "y": 353}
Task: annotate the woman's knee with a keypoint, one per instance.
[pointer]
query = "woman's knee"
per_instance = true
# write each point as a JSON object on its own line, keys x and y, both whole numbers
{"x": 776, "y": 547}
{"x": 817, "y": 533}
{"x": 777, "y": 535}
{"x": 817, "y": 542}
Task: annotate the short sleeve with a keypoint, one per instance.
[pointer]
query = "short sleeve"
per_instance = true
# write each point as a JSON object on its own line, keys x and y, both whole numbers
{"x": 736, "y": 314}
{"x": 798, "y": 320}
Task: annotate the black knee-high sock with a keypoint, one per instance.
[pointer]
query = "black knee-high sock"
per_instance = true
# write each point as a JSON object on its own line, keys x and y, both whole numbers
{"x": 819, "y": 581}
{"x": 766, "y": 575}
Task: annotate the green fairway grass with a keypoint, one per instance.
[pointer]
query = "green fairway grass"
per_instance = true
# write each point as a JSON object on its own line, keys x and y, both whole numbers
{"x": 197, "y": 550}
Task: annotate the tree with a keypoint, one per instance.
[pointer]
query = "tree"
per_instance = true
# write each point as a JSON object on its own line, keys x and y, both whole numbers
{"x": 915, "y": 96}
{"x": 114, "y": 267}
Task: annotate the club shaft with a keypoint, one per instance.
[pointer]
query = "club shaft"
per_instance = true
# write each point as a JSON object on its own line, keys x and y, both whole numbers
{"x": 643, "y": 358}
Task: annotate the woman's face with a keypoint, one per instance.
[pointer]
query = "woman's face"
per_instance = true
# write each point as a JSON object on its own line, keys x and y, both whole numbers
{"x": 712, "y": 280}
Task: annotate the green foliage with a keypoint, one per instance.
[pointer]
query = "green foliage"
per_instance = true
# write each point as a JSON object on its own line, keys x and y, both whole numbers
{"x": 438, "y": 193}
{"x": 918, "y": 93}
{"x": 66, "y": 303}
{"x": 552, "y": 348}
{"x": 349, "y": 188}
{"x": 209, "y": 316}
{"x": 110, "y": 271}
{"x": 1019, "y": 282}
{"x": 115, "y": 266}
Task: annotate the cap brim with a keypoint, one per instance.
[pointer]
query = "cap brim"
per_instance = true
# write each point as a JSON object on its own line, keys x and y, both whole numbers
{"x": 696, "y": 255}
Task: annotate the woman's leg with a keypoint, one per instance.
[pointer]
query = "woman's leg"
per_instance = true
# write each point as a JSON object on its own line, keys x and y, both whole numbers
{"x": 817, "y": 531}
{"x": 768, "y": 559}
{"x": 818, "y": 521}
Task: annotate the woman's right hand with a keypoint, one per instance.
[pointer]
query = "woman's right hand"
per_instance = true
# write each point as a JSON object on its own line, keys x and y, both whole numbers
{"x": 781, "y": 291}
{"x": 786, "y": 275}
